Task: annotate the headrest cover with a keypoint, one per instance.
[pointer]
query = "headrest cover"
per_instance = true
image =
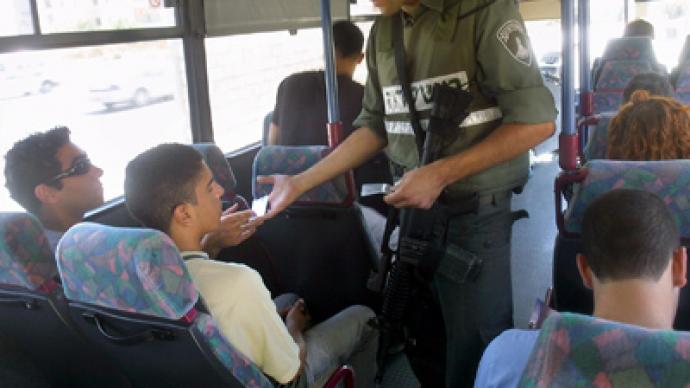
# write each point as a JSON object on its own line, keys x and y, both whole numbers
{"x": 286, "y": 160}
{"x": 636, "y": 48}
{"x": 615, "y": 75}
{"x": 574, "y": 350}
{"x": 26, "y": 259}
{"x": 669, "y": 179}
{"x": 215, "y": 159}
{"x": 129, "y": 269}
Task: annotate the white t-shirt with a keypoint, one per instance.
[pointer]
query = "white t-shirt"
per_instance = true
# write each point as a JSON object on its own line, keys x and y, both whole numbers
{"x": 238, "y": 300}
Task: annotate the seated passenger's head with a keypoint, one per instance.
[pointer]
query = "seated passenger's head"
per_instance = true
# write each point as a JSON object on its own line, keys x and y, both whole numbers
{"x": 348, "y": 41}
{"x": 655, "y": 84}
{"x": 631, "y": 249}
{"x": 650, "y": 128}
{"x": 170, "y": 188}
{"x": 53, "y": 179}
{"x": 639, "y": 27}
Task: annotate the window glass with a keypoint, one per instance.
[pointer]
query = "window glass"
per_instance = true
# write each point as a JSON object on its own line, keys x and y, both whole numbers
{"x": 607, "y": 21}
{"x": 15, "y": 18}
{"x": 117, "y": 100}
{"x": 93, "y": 15}
{"x": 671, "y": 20}
{"x": 363, "y": 8}
{"x": 245, "y": 71}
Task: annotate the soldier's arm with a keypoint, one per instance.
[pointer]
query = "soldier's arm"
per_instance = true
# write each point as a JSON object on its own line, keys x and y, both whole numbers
{"x": 359, "y": 147}
{"x": 421, "y": 187}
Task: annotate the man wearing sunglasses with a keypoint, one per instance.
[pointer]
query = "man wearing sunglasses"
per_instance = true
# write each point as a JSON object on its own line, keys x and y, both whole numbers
{"x": 53, "y": 179}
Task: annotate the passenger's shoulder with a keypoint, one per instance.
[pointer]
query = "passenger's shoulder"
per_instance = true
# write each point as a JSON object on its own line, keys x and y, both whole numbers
{"x": 514, "y": 339}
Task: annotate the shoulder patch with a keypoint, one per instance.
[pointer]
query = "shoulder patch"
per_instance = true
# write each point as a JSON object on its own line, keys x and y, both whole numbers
{"x": 514, "y": 39}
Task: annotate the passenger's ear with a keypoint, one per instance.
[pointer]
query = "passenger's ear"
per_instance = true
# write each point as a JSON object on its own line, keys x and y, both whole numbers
{"x": 679, "y": 266}
{"x": 360, "y": 58}
{"x": 45, "y": 193}
{"x": 584, "y": 269}
{"x": 182, "y": 214}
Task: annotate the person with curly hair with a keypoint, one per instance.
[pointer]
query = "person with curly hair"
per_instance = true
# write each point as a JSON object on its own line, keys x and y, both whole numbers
{"x": 650, "y": 128}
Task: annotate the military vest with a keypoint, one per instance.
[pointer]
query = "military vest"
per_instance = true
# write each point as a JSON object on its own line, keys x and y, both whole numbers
{"x": 440, "y": 49}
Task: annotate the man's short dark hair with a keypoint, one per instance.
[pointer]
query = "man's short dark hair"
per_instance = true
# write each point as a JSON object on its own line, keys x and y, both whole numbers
{"x": 347, "y": 38}
{"x": 639, "y": 27}
{"x": 655, "y": 84}
{"x": 33, "y": 161}
{"x": 160, "y": 179}
{"x": 629, "y": 234}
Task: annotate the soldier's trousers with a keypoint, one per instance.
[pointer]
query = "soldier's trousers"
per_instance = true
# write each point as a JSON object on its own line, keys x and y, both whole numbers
{"x": 476, "y": 310}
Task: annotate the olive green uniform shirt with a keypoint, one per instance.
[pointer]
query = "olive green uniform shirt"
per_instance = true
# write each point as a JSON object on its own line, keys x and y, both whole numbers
{"x": 487, "y": 53}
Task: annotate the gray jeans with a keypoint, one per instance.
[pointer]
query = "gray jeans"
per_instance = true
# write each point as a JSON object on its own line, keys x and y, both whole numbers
{"x": 345, "y": 338}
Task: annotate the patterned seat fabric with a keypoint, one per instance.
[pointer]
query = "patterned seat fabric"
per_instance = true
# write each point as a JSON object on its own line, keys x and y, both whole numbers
{"x": 597, "y": 144}
{"x": 222, "y": 172}
{"x": 574, "y": 350}
{"x": 683, "y": 83}
{"x": 141, "y": 271}
{"x": 630, "y": 48}
{"x": 615, "y": 75}
{"x": 669, "y": 179}
{"x": 293, "y": 160}
{"x": 26, "y": 259}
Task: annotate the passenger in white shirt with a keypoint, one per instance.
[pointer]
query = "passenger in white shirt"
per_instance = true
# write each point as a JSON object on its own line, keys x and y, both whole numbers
{"x": 171, "y": 189}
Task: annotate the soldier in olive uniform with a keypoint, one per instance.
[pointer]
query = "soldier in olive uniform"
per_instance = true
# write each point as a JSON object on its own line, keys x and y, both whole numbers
{"x": 482, "y": 47}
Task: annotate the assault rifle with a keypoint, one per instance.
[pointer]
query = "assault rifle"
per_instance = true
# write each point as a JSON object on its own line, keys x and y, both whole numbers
{"x": 416, "y": 256}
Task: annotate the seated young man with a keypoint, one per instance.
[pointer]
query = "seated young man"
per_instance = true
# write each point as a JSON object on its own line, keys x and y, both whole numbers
{"x": 634, "y": 264}
{"x": 171, "y": 189}
{"x": 53, "y": 179}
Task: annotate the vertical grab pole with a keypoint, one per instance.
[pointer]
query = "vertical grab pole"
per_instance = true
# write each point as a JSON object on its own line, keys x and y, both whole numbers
{"x": 586, "y": 96}
{"x": 568, "y": 143}
{"x": 334, "y": 125}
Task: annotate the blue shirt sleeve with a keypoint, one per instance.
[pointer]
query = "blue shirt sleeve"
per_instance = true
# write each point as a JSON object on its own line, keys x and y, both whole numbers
{"x": 505, "y": 359}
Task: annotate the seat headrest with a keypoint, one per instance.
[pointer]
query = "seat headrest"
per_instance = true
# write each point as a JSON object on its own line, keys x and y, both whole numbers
{"x": 576, "y": 350}
{"x": 636, "y": 48}
{"x": 615, "y": 75}
{"x": 685, "y": 52}
{"x": 668, "y": 179}
{"x": 215, "y": 159}
{"x": 26, "y": 259}
{"x": 129, "y": 269}
{"x": 286, "y": 160}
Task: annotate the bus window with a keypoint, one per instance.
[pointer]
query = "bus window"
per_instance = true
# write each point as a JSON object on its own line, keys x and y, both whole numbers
{"x": 117, "y": 100}
{"x": 15, "y": 18}
{"x": 244, "y": 72}
{"x": 78, "y": 15}
{"x": 671, "y": 20}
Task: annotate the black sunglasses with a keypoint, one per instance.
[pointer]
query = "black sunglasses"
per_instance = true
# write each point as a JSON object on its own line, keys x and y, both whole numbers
{"x": 80, "y": 166}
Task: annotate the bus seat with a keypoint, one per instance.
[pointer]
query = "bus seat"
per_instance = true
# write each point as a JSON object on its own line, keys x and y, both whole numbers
{"x": 266, "y": 128}
{"x": 627, "y": 49}
{"x": 222, "y": 173}
{"x": 292, "y": 160}
{"x": 33, "y": 313}
{"x": 577, "y": 350}
{"x": 130, "y": 293}
{"x": 320, "y": 244}
{"x": 597, "y": 144}
{"x": 681, "y": 76}
{"x": 669, "y": 179}
{"x": 623, "y": 59}
{"x": 683, "y": 84}
{"x": 614, "y": 77}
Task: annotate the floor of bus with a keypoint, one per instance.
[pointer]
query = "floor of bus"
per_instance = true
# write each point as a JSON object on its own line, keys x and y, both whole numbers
{"x": 533, "y": 240}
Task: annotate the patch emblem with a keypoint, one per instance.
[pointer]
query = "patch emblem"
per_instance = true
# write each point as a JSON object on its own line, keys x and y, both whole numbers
{"x": 513, "y": 37}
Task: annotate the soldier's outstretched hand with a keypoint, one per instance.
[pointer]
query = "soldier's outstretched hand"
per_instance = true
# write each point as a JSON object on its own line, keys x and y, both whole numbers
{"x": 418, "y": 188}
{"x": 285, "y": 192}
